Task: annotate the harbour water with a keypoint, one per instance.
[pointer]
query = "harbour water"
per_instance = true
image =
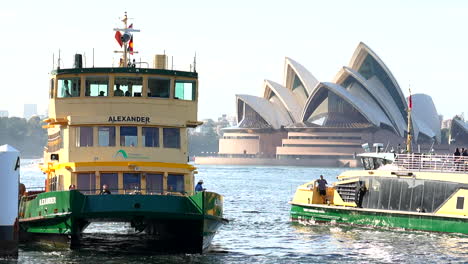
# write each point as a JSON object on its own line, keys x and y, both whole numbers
{"x": 256, "y": 203}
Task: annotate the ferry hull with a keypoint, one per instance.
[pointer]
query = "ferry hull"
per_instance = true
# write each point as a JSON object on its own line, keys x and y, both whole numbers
{"x": 170, "y": 223}
{"x": 378, "y": 218}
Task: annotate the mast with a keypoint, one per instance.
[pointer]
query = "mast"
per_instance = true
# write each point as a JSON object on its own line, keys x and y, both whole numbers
{"x": 125, "y": 38}
{"x": 409, "y": 136}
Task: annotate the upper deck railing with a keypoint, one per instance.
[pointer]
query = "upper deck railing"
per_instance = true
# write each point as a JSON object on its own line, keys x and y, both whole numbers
{"x": 432, "y": 163}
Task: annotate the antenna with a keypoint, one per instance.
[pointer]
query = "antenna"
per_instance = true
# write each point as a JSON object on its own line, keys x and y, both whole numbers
{"x": 195, "y": 62}
{"x": 53, "y": 60}
{"x": 58, "y": 66}
{"x": 93, "y": 57}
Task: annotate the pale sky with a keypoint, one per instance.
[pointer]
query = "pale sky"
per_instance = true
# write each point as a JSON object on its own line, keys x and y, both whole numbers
{"x": 240, "y": 43}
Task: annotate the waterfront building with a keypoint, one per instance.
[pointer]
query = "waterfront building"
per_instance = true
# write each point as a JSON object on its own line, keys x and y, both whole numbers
{"x": 309, "y": 122}
{"x": 458, "y": 132}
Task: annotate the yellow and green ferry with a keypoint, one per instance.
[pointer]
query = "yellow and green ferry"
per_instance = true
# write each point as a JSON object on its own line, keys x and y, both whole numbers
{"x": 402, "y": 191}
{"x": 123, "y": 129}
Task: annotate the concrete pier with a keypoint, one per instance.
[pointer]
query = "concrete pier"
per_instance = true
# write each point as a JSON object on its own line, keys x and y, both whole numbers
{"x": 9, "y": 185}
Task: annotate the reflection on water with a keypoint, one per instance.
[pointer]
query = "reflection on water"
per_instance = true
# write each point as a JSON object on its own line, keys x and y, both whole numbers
{"x": 256, "y": 203}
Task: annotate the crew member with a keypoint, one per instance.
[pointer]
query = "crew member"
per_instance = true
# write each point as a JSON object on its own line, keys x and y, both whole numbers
{"x": 322, "y": 187}
{"x": 199, "y": 187}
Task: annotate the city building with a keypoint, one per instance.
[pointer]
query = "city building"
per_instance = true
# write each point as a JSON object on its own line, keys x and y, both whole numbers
{"x": 3, "y": 113}
{"x": 459, "y": 132}
{"x": 306, "y": 122}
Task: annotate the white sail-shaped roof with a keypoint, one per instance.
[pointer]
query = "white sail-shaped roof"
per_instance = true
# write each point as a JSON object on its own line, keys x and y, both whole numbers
{"x": 293, "y": 70}
{"x": 273, "y": 115}
{"x": 374, "y": 115}
{"x": 364, "y": 60}
{"x": 287, "y": 98}
{"x": 425, "y": 116}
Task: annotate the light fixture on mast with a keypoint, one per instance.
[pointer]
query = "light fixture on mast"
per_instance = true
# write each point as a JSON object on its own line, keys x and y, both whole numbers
{"x": 124, "y": 39}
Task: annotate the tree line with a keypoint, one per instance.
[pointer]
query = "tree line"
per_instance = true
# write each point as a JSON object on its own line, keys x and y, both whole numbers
{"x": 27, "y": 136}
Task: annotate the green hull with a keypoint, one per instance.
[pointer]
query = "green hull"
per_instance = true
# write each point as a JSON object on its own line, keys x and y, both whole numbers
{"x": 379, "y": 218}
{"x": 185, "y": 224}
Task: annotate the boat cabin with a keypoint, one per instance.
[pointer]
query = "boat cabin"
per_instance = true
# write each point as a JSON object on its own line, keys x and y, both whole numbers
{"x": 125, "y": 127}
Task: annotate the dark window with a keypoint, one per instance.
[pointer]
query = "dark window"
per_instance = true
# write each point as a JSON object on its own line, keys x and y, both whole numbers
{"x": 128, "y": 136}
{"x": 111, "y": 180}
{"x": 84, "y": 137}
{"x": 97, "y": 86}
{"x": 131, "y": 182}
{"x": 154, "y": 183}
{"x": 51, "y": 95}
{"x": 185, "y": 90}
{"x": 150, "y": 136}
{"x": 159, "y": 87}
{"x": 460, "y": 202}
{"x": 69, "y": 87}
{"x": 106, "y": 136}
{"x": 175, "y": 183}
{"x": 171, "y": 137}
{"x": 128, "y": 86}
{"x": 86, "y": 182}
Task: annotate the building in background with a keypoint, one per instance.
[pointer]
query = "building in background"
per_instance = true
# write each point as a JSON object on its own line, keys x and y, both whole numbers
{"x": 459, "y": 132}
{"x": 3, "y": 113}
{"x": 306, "y": 122}
{"x": 29, "y": 110}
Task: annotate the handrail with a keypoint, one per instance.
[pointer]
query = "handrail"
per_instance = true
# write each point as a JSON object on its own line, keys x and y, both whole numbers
{"x": 432, "y": 163}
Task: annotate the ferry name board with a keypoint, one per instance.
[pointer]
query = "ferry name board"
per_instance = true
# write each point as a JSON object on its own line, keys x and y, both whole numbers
{"x": 46, "y": 201}
{"x": 136, "y": 119}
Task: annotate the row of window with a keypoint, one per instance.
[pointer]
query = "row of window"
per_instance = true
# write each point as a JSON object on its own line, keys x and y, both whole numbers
{"x": 86, "y": 182}
{"x": 124, "y": 86}
{"x": 241, "y": 137}
{"x": 128, "y": 136}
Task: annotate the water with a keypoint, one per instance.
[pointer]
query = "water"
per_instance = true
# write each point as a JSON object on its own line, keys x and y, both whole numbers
{"x": 256, "y": 203}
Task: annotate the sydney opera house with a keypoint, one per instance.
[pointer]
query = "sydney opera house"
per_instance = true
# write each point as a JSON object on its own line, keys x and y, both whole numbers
{"x": 459, "y": 132}
{"x": 303, "y": 121}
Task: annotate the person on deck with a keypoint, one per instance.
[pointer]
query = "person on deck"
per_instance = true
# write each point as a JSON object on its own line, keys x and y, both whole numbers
{"x": 199, "y": 186}
{"x": 105, "y": 190}
{"x": 322, "y": 187}
{"x": 117, "y": 91}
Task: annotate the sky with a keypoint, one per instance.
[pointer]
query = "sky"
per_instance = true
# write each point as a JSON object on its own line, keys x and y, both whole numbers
{"x": 239, "y": 44}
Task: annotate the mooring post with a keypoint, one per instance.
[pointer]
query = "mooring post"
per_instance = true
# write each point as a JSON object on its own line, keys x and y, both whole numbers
{"x": 9, "y": 188}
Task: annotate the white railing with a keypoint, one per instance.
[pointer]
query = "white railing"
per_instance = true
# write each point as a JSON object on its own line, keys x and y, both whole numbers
{"x": 434, "y": 163}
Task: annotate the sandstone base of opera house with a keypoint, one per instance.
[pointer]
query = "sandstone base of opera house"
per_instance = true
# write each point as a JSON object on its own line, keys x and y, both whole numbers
{"x": 351, "y": 163}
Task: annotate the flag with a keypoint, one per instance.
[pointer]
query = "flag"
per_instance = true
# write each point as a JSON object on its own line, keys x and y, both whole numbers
{"x": 131, "y": 25}
{"x": 410, "y": 102}
{"x": 118, "y": 37}
{"x": 130, "y": 45}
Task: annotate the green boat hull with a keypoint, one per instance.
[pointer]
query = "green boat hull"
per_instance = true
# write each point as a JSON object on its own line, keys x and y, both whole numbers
{"x": 174, "y": 223}
{"x": 379, "y": 218}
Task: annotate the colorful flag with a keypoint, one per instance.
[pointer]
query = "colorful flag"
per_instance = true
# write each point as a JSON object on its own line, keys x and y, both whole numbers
{"x": 410, "y": 102}
{"x": 130, "y": 45}
{"x": 118, "y": 37}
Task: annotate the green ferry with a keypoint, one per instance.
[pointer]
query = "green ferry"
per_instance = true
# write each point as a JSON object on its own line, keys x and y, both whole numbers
{"x": 117, "y": 151}
{"x": 401, "y": 191}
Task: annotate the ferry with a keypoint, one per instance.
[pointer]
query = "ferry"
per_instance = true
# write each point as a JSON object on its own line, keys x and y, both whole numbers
{"x": 117, "y": 151}
{"x": 406, "y": 191}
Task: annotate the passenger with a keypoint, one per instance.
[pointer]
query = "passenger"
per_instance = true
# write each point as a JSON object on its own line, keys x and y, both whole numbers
{"x": 199, "y": 186}
{"x": 72, "y": 187}
{"x": 22, "y": 190}
{"x": 127, "y": 93}
{"x": 101, "y": 93}
{"x": 105, "y": 190}
{"x": 457, "y": 152}
{"x": 322, "y": 187}
{"x": 457, "y": 155}
{"x": 117, "y": 91}
{"x": 464, "y": 159}
{"x": 66, "y": 89}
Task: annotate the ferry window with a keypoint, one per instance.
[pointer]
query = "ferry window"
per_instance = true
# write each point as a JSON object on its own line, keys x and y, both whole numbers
{"x": 128, "y": 86}
{"x": 131, "y": 182}
{"x": 128, "y": 136}
{"x": 106, "y": 136}
{"x": 84, "y": 136}
{"x": 51, "y": 94}
{"x": 185, "y": 90}
{"x": 69, "y": 87}
{"x": 97, "y": 86}
{"x": 159, "y": 87}
{"x": 175, "y": 183}
{"x": 460, "y": 202}
{"x": 111, "y": 180}
{"x": 150, "y": 136}
{"x": 171, "y": 137}
{"x": 154, "y": 183}
{"x": 86, "y": 182}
